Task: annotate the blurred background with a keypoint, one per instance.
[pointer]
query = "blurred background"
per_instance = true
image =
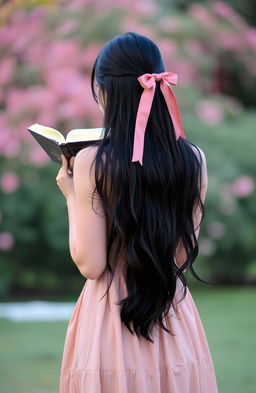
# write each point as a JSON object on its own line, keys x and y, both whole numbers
{"x": 47, "y": 49}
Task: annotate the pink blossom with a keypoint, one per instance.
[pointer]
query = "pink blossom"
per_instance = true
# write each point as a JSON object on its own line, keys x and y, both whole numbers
{"x": 10, "y": 148}
{"x": 4, "y": 36}
{"x": 243, "y": 186}
{"x": 77, "y": 99}
{"x": 14, "y": 101}
{"x": 20, "y": 21}
{"x": 21, "y": 132}
{"x": 9, "y": 181}
{"x": 47, "y": 116}
{"x": 91, "y": 109}
{"x": 167, "y": 47}
{"x": 37, "y": 14}
{"x": 62, "y": 54}
{"x": 209, "y": 112}
{"x": 89, "y": 54}
{"x": 250, "y": 35}
{"x": 33, "y": 100}
{"x": 4, "y": 123}
{"x": 230, "y": 40}
{"x": 70, "y": 108}
{"x": 7, "y": 70}
{"x": 9, "y": 33}
{"x": 225, "y": 11}
{"x": 170, "y": 25}
{"x": 6, "y": 240}
{"x": 20, "y": 42}
{"x": 146, "y": 7}
{"x": 77, "y": 4}
{"x": 9, "y": 142}
{"x": 79, "y": 104}
{"x": 187, "y": 73}
{"x": 38, "y": 156}
{"x": 67, "y": 27}
{"x": 201, "y": 13}
{"x": 193, "y": 47}
{"x": 40, "y": 97}
{"x": 108, "y": 4}
{"x": 222, "y": 9}
{"x": 34, "y": 53}
{"x": 216, "y": 229}
{"x": 129, "y": 24}
{"x": 64, "y": 81}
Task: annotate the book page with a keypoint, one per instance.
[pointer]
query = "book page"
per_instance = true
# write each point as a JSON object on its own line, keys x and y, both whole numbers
{"x": 85, "y": 134}
{"x": 48, "y": 132}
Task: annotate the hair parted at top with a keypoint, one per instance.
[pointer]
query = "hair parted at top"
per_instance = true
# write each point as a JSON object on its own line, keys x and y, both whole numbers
{"x": 149, "y": 208}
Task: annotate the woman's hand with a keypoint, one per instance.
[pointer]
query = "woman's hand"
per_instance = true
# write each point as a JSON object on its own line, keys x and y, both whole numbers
{"x": 64, "y": 178}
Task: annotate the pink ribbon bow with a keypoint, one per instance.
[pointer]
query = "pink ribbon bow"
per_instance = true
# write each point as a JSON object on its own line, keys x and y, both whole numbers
{"x": 148, "y": 82}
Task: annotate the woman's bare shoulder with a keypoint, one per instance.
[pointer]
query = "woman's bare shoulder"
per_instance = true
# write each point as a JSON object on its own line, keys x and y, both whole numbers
{"x": 201, "y": 156}
{"x": 87, "y": 153}
{"x": 86, "y": 156}
{"x": 199, "y": 152}
{"x": 84, "y": 162}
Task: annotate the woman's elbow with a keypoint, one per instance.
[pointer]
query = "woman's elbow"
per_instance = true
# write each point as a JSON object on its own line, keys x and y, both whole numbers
{"x": 88, "y": 274}
{"x": 89, "y": 271}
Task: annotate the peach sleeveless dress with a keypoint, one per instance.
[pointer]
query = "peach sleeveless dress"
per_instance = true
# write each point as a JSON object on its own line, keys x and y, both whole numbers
{"x": 102, "y": 356}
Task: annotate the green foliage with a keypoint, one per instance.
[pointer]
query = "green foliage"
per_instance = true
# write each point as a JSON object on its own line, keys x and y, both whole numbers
{"x": 9, "y": 8}
{"x": 229, "y": 146}
{"x": 34, "y": 251}
{"x": 36, "y": 216}
{"x": 215, "y": 37}
{"x": 36, "y": 213}
{"x": 246, "y": 8}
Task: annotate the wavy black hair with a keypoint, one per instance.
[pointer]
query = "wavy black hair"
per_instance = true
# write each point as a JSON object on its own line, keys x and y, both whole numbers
{"x": 149, "y": 208}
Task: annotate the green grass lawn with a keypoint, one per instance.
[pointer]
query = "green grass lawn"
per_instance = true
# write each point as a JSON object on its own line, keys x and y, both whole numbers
{"x": 30, "y": 356}
{"x": 229, "y": 320}
{"x": 31, "y": 351}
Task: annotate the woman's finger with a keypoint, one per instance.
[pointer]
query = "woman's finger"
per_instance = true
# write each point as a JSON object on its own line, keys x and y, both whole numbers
{"x": 71, "y": 162}
{"x": 64, "y": 161}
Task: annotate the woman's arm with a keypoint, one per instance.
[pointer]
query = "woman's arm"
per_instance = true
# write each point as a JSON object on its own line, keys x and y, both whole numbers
{"x": 72, "y": 225}
{"x": 87, "y": 224}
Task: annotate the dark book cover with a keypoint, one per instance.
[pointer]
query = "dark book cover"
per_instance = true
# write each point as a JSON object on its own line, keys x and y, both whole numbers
{"x": 55, "y": 149}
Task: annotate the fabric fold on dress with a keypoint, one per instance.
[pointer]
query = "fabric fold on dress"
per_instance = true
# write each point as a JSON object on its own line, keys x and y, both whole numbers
{"x": 102, "y": 356}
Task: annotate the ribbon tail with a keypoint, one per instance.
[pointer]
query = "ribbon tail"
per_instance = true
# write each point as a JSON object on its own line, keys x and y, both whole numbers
{"x": 173, "y": 109}
{"x": 141, "y": 123}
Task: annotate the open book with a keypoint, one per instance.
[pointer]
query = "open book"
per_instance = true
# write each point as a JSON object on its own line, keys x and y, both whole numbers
{"x": 54, "y": 143}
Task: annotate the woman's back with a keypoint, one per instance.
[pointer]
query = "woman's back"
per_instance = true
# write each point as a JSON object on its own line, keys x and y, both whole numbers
{"x": 180, "y": 255}
{"x": 135, "y": 327}
{"x": 102, "y": 356}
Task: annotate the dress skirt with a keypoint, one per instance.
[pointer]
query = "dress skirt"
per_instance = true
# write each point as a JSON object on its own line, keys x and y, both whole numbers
{"x": 102, "y": 356}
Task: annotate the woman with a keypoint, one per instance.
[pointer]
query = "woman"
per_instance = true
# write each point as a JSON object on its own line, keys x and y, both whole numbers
{"x": 135, "y": 203}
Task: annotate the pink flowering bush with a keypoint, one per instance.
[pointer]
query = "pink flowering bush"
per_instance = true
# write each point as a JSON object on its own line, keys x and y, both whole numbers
{"x": 6, "y": 240}
{"x": 231, "y": 10}
{"x": 46, "y": 56}
{"x": 218, "y": 43}
{"x": 9, "y": 182}
{"x": 227, "y": 238}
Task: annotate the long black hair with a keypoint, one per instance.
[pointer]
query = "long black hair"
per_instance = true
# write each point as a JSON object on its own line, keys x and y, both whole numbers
{"x": 150, "y": 207}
